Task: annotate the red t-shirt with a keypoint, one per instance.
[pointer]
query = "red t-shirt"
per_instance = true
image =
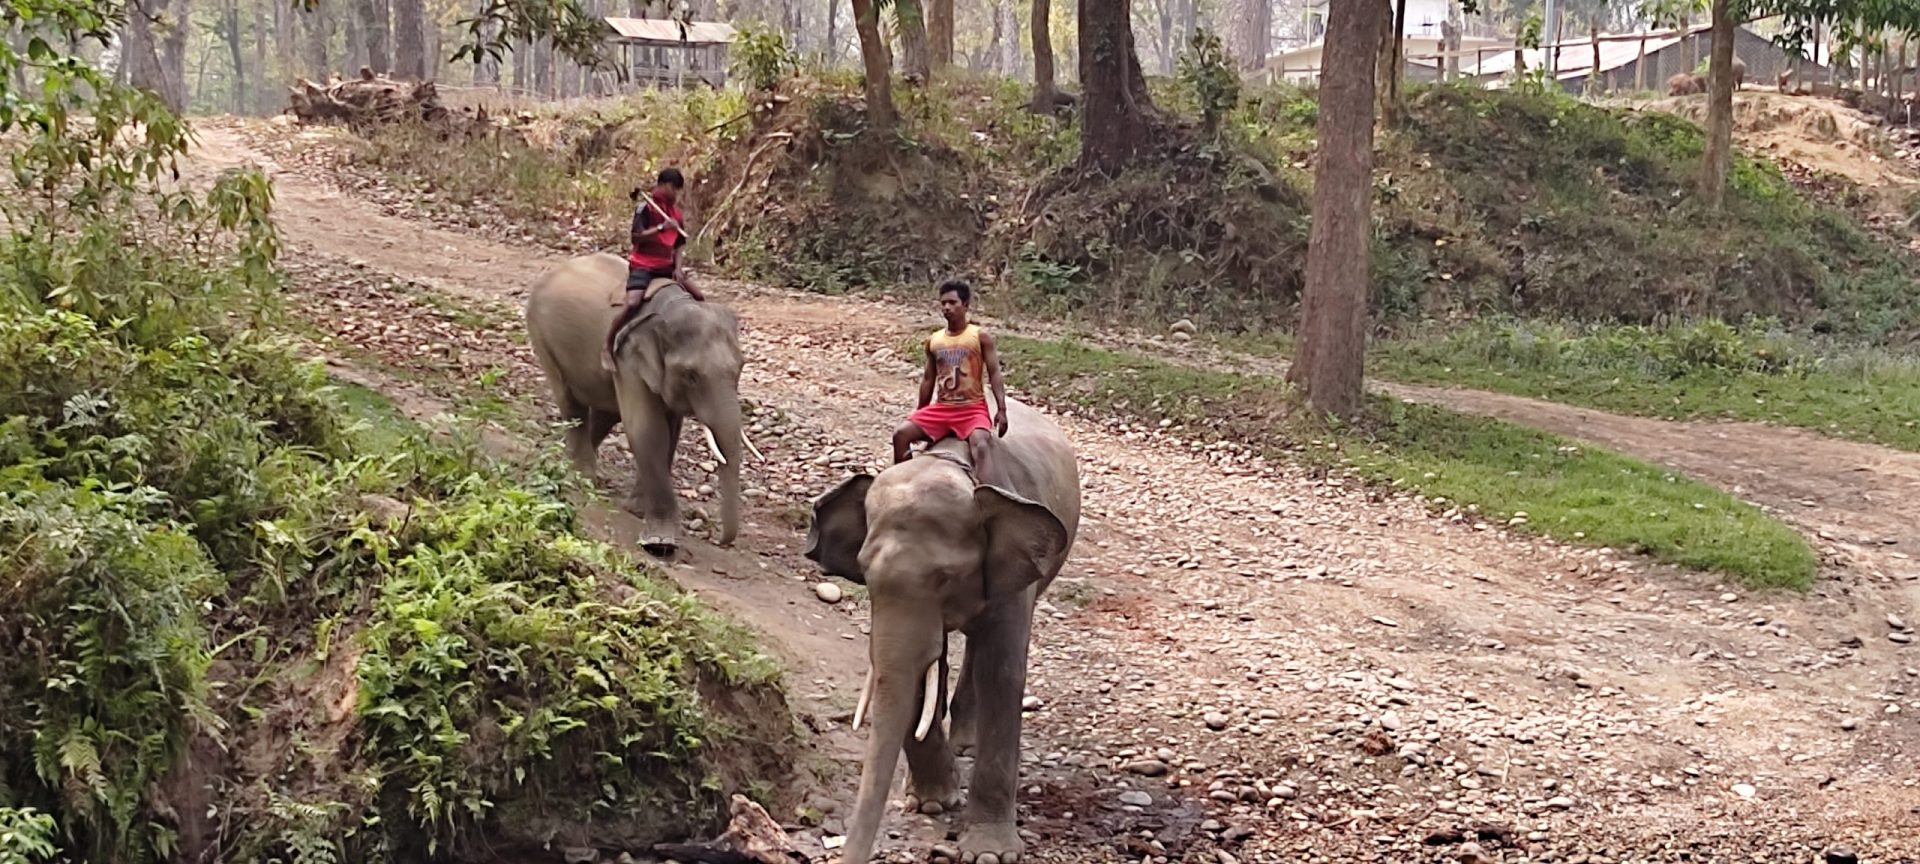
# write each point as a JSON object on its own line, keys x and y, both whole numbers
{"x": 654, "y": 251}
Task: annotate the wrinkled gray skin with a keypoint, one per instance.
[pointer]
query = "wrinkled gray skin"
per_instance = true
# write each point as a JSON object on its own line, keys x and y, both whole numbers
{"x": 679, "y": 358}
{"x": 938, "y": 555}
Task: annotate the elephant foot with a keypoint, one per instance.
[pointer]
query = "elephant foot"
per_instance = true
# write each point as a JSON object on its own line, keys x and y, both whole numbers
{"x": 997, "y": 843}
{"x": 659, "y": 547}
{"x": 933, "y": 803}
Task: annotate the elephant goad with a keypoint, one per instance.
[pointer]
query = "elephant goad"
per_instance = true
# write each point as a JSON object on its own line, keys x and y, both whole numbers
{"x": 678, "y": 358}
{"x": 937, "y": 554}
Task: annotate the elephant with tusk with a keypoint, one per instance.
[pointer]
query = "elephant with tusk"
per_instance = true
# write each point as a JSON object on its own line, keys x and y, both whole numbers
{"x": 939, "y": 554}
{"x": 678, "y": 358}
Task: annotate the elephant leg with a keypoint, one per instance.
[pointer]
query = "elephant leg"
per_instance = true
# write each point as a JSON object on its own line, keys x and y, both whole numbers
{"x": 997, "y": 651}
{"x": 966, "y": 705}
{"x": 599, "y": 426}
{"x": 653, "y": 434}
{"x": 581, "y": 443}
{"x": 931, "y": 775}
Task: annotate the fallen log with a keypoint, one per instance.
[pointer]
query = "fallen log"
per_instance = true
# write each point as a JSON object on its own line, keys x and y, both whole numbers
{"x": 369, "y": 100}
{"x": 752, "y": 838}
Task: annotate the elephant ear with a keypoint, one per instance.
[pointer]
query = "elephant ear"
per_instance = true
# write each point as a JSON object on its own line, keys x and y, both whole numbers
{"x": 643, "y": 346}
{"x": 1025, "y": 541}
{"x": 839, "y": 529}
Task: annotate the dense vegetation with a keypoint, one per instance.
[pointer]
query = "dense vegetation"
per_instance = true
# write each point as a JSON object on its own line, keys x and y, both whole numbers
{"x": 252, "y": 613}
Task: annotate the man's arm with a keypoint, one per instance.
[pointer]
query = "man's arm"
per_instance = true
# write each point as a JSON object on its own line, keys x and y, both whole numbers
{"x": 990, "y": 357}
{"x": 926, "y": 380}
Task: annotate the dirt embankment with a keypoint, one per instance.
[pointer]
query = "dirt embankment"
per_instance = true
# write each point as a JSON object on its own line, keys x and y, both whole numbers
{"x": 1245, "y": 658}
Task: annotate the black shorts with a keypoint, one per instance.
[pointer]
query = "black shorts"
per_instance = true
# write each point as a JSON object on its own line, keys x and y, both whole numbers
{"x": 639, "y": 277}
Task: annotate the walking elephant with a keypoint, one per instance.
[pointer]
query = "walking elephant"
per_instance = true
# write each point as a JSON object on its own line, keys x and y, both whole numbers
{"x": 678, "y": 358}
{"x": 938, "y": 554}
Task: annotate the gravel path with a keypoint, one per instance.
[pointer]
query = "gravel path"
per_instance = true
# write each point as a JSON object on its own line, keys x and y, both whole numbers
{"x": 1243, "y": 661}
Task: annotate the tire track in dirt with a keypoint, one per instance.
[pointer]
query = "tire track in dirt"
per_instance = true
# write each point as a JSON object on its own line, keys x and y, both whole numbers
{"x": 1318, "y": 666}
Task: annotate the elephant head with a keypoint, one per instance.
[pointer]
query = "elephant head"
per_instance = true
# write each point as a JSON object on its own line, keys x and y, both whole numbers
{"x": 681, "y": 358}
{"x": 939, "y": 554}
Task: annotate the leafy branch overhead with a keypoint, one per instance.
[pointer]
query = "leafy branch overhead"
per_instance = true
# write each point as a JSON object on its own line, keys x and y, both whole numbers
{"x": 573, "y": 31}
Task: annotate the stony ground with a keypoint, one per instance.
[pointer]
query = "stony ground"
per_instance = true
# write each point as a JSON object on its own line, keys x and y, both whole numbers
{"x": 1242, "y": 662}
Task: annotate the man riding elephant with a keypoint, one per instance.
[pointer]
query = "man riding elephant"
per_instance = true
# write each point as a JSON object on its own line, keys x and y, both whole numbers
{"x": 654, "y": 251}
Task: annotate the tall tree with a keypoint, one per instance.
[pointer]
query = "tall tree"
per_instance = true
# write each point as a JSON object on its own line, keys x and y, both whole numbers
{"x": 283, "y": 42}
{"x": 375, "y": 30}
{"x": 262, "y": 89}
{"x": 236, "y": 52}
{"x": 410, "y": 40}
{"x": 916, "y": 57}
{"x": 877, "y": 61}
{"x": 1719, "y": 155}
{"x": 1116, "y": 109}
{"x": 317, "y": 23}
{"x": 1009, "y": 13}
{"x": 1045, "y": 94}
{"x": 940, "y": 32}
{"x": 1330, "y": 361}
{"x": 1256, "y": 33}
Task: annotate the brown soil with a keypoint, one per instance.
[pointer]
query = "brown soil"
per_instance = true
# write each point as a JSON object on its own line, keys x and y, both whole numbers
{"x": 1332, "y": 673}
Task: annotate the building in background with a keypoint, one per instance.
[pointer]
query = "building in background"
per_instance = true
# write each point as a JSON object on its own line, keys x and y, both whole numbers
{"x": 663, "y": 52}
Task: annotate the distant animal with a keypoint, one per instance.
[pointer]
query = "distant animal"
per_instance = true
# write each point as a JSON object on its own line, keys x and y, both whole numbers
{"x": 1739, "y": 73}
{"x": 1686, "y": 84}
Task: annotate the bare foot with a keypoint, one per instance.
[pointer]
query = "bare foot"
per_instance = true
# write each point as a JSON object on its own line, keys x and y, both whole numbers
{"x": 997, "y": 843}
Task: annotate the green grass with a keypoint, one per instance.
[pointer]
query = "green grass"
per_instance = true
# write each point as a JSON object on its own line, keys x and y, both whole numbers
{"x": 1697, "y": 371}
{"x": 1573, "y": 493}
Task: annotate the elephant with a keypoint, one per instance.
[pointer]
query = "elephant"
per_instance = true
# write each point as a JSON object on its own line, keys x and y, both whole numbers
{"x": 1686, "y": 84}
{"x": 938, "y": 554}
{"x": 678, "y": 358}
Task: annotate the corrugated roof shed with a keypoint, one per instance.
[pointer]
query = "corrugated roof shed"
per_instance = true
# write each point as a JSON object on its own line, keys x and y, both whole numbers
{"x": 1576, "y": 58}
{"x": 666, "y": 30}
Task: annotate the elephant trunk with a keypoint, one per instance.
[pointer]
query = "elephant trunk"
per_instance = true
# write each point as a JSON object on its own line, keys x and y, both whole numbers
{"x": 721, "y": 416}
{"x": 904, "y": 645}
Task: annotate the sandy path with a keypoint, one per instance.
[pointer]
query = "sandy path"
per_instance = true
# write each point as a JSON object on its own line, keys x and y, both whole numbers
{"x": 1322, "y": 670}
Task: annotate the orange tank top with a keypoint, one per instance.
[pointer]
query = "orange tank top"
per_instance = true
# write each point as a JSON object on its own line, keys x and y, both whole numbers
{"x": 957, "y": 366}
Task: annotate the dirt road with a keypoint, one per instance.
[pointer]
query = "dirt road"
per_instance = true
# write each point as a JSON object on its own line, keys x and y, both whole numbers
{"x": 1243, "y": 659}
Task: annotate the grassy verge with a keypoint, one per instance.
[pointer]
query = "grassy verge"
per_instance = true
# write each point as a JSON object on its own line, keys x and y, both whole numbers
{"x": 1703, "y": 370}
{"x": 400, "y": 646}
{"x": 1530, "y": 480}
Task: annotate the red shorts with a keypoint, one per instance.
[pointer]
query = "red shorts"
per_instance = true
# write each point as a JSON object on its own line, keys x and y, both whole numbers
{"x": 939, "y": 420}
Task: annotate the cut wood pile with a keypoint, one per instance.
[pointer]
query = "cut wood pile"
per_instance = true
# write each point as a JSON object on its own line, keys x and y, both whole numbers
{"x": 376, "y": 100}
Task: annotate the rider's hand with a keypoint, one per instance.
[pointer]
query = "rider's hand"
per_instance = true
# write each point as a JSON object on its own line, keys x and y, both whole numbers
{"x": 1000, "y": 424}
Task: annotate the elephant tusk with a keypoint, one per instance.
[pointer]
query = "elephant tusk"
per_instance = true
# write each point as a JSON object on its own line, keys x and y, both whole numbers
{"x": 750, "y": 448}
{"x": 714, "y": 445}
{"x": 866, "y": 698}
{"x": 929, "y": 702}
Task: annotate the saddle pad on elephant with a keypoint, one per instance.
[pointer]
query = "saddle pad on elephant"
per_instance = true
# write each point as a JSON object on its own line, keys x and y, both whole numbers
{"x": 659, "y": 293}
{"x": 951, "y": 449}
{"x": 618, "y": 296}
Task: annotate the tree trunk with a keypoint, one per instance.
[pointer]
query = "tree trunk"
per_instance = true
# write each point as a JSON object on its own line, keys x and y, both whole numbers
{"x": 319, "y": 30}
{"x": 354, "y": 56}
{"x": 375, "y": 29}
{"x": 1386, "y": 63}
{"x": 1257, "y": 19}
{"x": 237, "y": 50}
{"x": 522, "y": 59}
{"x": 1593, "y": 72}
{"x": 1331, "y": 358}
{"x": 1452, "y": 40}
{"x": 173, "y": 53}
{"x": 940, "y": 32}
{"x": 1043, "y": 86}
{"x": 877, "y": 61}
{"x": 139, "y": 51}
{"x": 410, "y": 40}
{"x": 1896, "y": 93}
{"x": 831, "y": 51}
{"x": 283, "y": 43}
{"x": 1115, "y": 125}
{"x": 1168, "y": 50}
{"x": 262, "y": 90}
{"x": 915, "y": 54}
{"x": 1719, "y": 155}
{"x": 543, "y": 68}
{"x": 1010, "y": 45}
{"x": 1640, "y": 66}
